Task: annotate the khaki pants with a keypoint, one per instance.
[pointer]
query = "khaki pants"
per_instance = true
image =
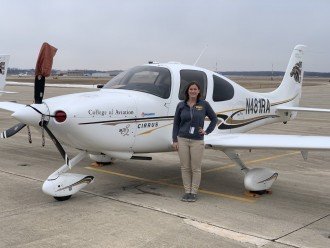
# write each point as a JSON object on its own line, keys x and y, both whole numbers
{"x": 191, "y": 155}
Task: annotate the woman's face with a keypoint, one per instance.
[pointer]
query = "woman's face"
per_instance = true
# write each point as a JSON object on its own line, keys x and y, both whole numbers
{"x": 193, "y": 91}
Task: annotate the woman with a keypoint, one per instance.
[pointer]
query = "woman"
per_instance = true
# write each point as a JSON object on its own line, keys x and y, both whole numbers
{"x": 188, "y": 137}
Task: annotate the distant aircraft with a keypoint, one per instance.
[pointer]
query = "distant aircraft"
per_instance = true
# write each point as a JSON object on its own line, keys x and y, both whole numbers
{"x": 23, "y": 74}
{"x": 133, "y": 114}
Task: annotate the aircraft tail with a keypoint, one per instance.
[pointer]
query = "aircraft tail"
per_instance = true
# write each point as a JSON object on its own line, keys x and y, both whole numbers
{"x": 289, "y": 90}
{"x": 4, "y": 60}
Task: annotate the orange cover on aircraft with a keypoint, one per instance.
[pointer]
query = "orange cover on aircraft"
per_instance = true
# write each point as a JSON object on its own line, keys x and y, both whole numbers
{"x": 45, "y": 60}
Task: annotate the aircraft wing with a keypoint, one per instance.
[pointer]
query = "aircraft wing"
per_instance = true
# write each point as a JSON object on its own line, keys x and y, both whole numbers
{"x": 288, "y": 108}
{"x": 267, "y": 141}
{"x": 11, "y": 106}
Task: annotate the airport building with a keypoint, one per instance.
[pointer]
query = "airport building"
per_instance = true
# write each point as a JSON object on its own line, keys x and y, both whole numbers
{"x": 101, "y": 74}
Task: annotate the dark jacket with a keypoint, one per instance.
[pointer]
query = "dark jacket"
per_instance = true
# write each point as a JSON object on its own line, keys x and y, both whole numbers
{"x": 188, "y": 119}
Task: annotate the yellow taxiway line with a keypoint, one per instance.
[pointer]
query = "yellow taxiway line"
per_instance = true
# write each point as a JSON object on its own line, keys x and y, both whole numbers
{"x": 233, "y": 197}
{"x": 228, "y": 166}
{"x": 163, "y": 181}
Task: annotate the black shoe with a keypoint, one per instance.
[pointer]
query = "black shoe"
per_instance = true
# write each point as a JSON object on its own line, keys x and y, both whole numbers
{"x": 185, "y": 197}
{"x": 192, "y": 197}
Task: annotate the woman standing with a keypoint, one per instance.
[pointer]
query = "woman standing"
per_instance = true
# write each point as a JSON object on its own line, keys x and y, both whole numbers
{"x": 188, "y": 137}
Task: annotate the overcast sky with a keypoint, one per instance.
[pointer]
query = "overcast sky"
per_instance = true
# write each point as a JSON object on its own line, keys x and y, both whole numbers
{"x": 118, "y": 34}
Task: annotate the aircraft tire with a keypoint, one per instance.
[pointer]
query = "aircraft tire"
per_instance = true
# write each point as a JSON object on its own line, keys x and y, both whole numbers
{"x": 62, "y": 198}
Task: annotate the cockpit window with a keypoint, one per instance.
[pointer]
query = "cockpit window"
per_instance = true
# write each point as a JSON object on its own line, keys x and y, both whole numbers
{"x": 149, "y": 79}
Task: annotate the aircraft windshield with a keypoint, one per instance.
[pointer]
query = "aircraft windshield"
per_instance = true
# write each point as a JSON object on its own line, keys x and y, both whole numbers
{"x": 149, "y": 79}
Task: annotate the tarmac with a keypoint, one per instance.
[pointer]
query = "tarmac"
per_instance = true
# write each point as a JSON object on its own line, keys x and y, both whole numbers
{"x": 137, "y": 203}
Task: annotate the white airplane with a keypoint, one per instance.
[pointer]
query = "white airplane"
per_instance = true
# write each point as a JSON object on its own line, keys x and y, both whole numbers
{"x": 23, "y": 74}
{"x": 133, "y": 114}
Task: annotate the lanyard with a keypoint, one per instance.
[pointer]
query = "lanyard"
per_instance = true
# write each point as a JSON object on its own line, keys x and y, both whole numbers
{"x": 191, "y": 112}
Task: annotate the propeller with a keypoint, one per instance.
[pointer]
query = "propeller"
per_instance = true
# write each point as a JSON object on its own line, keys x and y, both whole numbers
{"x": 57, "y": 143}
{"x": 11, "y": 131}
{"x": 34, "y": 114}
{"x": 43, "y": 69}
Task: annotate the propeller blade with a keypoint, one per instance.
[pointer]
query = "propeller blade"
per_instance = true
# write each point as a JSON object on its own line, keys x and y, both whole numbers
{"x": 57, "y": 144}
{"x": 11, "y": 131}
{"x": 43, "y": 70}
{"x": 39, "y": 89}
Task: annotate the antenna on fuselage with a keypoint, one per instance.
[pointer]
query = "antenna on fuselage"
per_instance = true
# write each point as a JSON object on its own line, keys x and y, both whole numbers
{"x": 200, "y": 55}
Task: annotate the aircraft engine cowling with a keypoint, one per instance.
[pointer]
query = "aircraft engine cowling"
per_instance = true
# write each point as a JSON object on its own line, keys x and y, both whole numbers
{"x": 66, "y": 184}
{"x": 258, "y": 179}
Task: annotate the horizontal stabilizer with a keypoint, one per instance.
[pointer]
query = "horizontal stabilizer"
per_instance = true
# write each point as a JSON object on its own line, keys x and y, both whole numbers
{"x": 11, "y": 106}
{"x": 267, "y": 141}
{"x": 302, "y": 109}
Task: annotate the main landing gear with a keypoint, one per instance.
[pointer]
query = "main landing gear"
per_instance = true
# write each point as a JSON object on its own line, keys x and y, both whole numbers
{"x": 257, "y": 181}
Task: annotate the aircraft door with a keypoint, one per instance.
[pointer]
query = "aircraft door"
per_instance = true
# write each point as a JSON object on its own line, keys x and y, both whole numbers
{"x": 188, "y": 76}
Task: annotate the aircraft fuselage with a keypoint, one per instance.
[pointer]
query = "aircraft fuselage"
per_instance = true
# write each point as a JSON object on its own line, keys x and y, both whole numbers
{"x": 134, "y": 121}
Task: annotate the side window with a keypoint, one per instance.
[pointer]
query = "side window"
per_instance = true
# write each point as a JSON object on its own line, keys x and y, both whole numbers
{"x": 222, "y": 90}
{"x": 187, "y": 76}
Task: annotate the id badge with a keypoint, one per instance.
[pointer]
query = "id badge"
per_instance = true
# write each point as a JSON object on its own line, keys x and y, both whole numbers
{"x": 192, "y": 130}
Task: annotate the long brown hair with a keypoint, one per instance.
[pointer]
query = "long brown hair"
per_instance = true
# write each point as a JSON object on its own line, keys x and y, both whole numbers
{"x": 187, "y": 89}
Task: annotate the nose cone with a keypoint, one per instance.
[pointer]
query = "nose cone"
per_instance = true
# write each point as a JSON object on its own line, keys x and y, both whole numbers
{"x": 29, "y": 115}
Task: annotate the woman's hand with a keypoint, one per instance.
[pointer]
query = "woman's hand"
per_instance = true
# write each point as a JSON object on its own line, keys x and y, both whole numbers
{"x": 201, "y": 131}
{"x": 175, "y": 146}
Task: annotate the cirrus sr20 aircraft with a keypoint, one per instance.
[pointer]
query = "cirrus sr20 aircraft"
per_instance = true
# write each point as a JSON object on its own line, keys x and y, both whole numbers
{"x": 133, "y": 113}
